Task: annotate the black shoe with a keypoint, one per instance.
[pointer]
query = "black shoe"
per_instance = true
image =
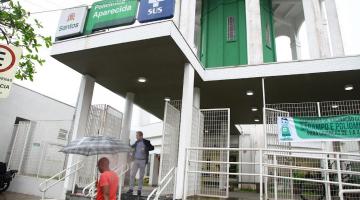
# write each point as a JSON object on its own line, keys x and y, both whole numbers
{"x": 130, "y": 192}
{"x": 139, "y": 192}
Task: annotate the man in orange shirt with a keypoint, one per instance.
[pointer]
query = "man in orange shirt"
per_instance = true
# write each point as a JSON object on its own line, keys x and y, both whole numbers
{"x": 107, "y": 185}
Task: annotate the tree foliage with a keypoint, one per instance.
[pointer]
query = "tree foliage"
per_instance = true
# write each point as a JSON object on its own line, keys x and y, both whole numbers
{"x": 18, "y": 29}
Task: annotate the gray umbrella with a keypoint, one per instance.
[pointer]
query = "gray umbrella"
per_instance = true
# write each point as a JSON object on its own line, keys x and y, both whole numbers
{"x": 95, "y": 145}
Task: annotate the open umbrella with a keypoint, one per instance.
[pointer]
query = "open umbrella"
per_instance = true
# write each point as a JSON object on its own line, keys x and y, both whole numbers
{"x": 96, "y": 145}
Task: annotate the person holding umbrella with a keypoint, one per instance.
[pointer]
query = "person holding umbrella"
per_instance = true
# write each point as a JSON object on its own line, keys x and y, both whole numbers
{"x": 107, "y": 185}
{"x": 140, "y": 159}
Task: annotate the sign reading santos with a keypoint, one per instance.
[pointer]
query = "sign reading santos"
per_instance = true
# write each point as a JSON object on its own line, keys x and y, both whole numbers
{"x": 71, "y": 22}
{"x": 152, "y": 10}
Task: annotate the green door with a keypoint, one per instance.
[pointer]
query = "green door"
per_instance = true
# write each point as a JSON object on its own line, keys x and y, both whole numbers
{"x": 223, "y": 28}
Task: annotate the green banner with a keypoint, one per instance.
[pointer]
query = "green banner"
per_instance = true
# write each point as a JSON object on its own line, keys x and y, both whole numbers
{"x": 111, "y": 13}
{"x": 334, "y": 128}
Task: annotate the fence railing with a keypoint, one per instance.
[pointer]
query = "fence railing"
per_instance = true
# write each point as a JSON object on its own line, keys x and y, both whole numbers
{"x": 57, "y": 178}
{"x": 170, "y": 176}
{"x": 280, "y": 174}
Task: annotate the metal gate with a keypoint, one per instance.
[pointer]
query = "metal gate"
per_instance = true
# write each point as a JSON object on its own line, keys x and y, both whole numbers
{"x": 35, "y": 150}
{"x": 213, "y": 132}
{"x": 170, "y": 142}
{"x": 102, "y": 120}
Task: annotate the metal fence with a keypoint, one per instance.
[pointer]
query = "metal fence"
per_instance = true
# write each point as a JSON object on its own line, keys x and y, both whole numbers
{"x": 306, "y": 176}
{"x": 304, "y": 109}
{"x": 35, "y": 150}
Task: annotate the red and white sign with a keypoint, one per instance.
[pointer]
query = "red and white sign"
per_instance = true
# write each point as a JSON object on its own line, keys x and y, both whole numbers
{"x": 9, "y": 59}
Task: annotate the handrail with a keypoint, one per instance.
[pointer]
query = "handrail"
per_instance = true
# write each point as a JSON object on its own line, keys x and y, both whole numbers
{"x": 43, "y": 187}
{"x": 161, "y": 182}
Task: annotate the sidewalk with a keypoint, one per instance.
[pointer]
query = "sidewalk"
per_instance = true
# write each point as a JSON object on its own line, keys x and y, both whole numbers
{"x": 17, "y": 196}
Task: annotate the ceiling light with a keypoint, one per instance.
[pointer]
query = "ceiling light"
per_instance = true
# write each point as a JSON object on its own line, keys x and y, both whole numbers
{"x": 349, "y": 87}
{"x": 167, "y": 99}
{"x": 334, "y": 106}
{"x": 254, "y": 109}
{"x": 141, "y": 80}
{"x": 256, "y": 119}
{"x": 249, "y": 92}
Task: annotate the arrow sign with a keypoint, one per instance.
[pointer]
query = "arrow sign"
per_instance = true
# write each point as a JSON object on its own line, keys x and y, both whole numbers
{"x": 9, "y": 58}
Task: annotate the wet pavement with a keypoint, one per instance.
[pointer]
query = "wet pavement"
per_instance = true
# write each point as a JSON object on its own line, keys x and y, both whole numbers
{"x": 17, "y": 196}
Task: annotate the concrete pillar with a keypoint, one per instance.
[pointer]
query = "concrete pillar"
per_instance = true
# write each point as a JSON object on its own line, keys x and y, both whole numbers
{"x": 185, "y": 127}
{"x": 126, "y": 123}
{"x": 334, "y": 28}
{"x": 254, "y": 34}
{"x": 197, "y": 97}
{"x": 316, "y": 29}
{"x": 187, "y": 21}
{"x": 295, "y": 45}
{"x": 154, "y": 169}
{"x": 79, "y": 125}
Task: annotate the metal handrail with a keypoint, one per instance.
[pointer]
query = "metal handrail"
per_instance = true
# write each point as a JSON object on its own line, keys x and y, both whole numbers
{"x": 43, "y": 187}
{"x": 161, "y": 182}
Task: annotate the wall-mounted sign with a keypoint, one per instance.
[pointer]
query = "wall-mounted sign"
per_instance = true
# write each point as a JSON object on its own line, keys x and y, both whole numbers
{"x": 152, "y": 10}
{"x": 9, "y": 59}
{"x": 71, "y": 22}
{"x": 333, "y": 128}
{"x": 111, "y": 13}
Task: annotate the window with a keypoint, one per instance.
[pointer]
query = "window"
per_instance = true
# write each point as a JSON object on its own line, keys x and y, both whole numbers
{"x": 63, "y": 134}
{"x": 268, "y": 35}
{"x": 231, "y": 34}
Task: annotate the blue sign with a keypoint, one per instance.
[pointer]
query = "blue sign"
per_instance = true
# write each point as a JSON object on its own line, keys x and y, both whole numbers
{"x": 152, "y": 10}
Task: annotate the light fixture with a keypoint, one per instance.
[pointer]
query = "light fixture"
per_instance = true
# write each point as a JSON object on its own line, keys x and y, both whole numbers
{"x": 349, "y": 87}
{"x": 249, "y": 92}
{"x": 167, "y": 99}
{"x": 334, "y": 106}
{"x": 256, "y": 119}
{"x": 141, "y": 80}
{"x": 254, "y": 109}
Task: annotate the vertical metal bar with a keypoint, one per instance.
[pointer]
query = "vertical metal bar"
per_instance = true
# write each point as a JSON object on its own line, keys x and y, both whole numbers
{"x": 175, "y": 177}
{"x": 228, "y": 154}
{"x": 44, "y": 145}
{"x": 24, "y": 148}
{"x": 186, "y": 174}
{"x": 13, "y": 147}
{"x": 275, "y": 178}
{"x": 338, "y": 168}
{"x": 325, "y": 165}
{"x": 261, "y": 174}
{"x": 76, "y": 175}
{"x": 265, "y": 135}
{"x": 163, "y": 143}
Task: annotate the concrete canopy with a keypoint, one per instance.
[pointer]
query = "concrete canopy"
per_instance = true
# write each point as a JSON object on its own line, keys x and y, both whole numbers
{"x": 158, "y": 52}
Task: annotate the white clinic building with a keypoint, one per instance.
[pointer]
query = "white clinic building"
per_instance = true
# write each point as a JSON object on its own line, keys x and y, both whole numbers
{"x": 208, "y": 69}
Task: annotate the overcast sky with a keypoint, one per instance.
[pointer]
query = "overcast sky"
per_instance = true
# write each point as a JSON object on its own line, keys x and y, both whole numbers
{"x": 62, "y": 83}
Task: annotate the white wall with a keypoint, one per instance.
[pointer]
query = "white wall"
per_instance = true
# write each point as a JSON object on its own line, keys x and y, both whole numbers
{"x": 30, "y": 105}
{"x": 30, "y": 185}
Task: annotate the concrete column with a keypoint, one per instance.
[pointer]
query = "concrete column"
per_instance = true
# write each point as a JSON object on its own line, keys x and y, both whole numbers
{"x": 154, "y": 170}
{"x": 334, "y": 28}
{"x": 187, "y": 21}
{"x": 295, "y": 46}
{"x": 79, "y": 125}
{"x": 185, "y": 127}
{"x": 254, "y": 34}
{"x": 197, "y": 97}
{"x": 126, "y": 123}
{"x": 316, "y": 29}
